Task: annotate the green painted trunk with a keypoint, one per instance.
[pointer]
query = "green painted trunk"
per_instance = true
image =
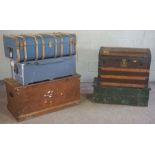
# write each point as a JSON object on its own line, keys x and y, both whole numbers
{"x": 121, "y": 95}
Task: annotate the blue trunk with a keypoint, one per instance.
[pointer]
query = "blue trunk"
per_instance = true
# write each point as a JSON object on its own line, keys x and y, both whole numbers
{"x": 39, "y": 46}
{"x": 48, "y": 69}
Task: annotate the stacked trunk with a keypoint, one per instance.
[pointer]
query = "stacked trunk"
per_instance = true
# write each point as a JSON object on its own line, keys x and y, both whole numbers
{"x": 121, "y": 72}
{"x": 44, "y": 75}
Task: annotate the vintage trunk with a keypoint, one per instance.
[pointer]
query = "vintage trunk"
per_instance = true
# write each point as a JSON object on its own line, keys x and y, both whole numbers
{"x": 32, "y": 100}
{"x": 29, "y": 47}
{"x": 120, "y": 95}
{"x": 124, "y": 67}
{"x": 47, "y": 69}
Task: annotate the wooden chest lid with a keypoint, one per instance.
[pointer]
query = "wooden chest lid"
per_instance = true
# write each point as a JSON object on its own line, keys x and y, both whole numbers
{"x": 120, "y": 51}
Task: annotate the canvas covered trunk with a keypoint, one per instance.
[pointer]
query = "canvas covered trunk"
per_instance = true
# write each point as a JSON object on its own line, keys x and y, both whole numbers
{"x": 27, "y": 47}
{"x": 120, "y": 95}
{"x": 124, "y": 67}
{"x": 32, "y": 100}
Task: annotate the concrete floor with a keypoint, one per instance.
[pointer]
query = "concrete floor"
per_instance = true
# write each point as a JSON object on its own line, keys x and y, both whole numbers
{"x": 87, "y": 112}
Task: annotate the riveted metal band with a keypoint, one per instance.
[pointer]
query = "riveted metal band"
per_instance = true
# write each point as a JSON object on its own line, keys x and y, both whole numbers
{"x": 43, "y": 45}
{"x": 25, "y": 48}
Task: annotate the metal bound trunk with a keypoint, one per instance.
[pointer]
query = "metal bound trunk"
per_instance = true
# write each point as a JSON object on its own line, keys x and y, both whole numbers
{"x": 28, "y": 101}
{"x": 39, "y": 46}
{"x": 124, "y": 67}
{"x": 120, "y": 95}
{"x": 47, "y": 69}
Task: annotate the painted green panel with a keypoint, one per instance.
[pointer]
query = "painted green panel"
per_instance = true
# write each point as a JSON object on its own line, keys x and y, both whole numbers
{"x": 121, "y": 95}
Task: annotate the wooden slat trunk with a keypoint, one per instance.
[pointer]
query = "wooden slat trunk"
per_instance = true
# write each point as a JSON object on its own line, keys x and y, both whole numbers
{"x": 124, "y": 67}
{"x": 36, "y": 99}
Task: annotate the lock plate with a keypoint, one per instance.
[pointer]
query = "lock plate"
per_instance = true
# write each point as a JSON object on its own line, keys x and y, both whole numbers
{"x": 124, "y": 63}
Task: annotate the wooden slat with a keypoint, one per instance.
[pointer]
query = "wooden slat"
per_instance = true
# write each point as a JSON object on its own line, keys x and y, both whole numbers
{"x": 123, "y": 77}
{"x": 125, "y": 54}
{"x": 122, "y": 84}
{"x": 120, "y": 49}
{"x": 124, "y": 69}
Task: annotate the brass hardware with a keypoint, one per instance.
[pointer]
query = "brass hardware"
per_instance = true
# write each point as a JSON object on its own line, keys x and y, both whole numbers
{"x": 124, "y": 63}
{"x": 134, "y": 61}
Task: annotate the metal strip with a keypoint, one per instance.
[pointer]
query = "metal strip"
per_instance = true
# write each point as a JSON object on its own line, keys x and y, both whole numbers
{"x": 43, "y": 45}
{"x": 25, "y": 48}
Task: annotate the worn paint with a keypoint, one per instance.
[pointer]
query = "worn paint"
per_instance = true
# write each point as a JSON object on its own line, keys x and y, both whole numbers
{"x": 121, "y": 95}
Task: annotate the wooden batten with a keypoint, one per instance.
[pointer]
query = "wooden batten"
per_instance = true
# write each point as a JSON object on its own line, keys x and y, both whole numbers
{"x": 122, "y": 77}
{"x": 122, "y": 85}
{"x": 124, "y": 69}
{"x": 126, "y": 54}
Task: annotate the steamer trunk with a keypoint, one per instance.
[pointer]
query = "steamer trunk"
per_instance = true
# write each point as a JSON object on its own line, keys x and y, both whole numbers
{"x": 124, "y": 67}
{"x": 32, "y": 100}
{"x": 28, "y": 47}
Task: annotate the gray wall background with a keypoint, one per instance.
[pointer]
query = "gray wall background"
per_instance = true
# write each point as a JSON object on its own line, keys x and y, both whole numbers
{"x": 88, "y": 44}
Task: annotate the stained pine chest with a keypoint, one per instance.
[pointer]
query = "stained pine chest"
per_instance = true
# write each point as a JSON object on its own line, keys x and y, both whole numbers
{"x": 36, "y": 99}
